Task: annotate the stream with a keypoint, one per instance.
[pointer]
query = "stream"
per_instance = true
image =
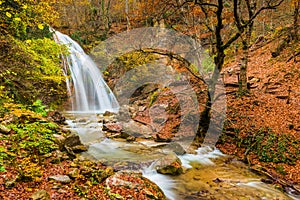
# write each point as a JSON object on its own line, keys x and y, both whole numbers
{"x": 209, "y": 174}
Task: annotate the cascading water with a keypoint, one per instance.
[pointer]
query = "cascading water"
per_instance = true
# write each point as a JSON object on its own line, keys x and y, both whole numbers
{"x": 90, "y": 94}
{"x": 87, "y": 88}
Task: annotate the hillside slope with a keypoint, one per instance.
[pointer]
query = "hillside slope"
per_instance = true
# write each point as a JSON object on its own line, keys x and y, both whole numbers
{"x": 263, "y": 128}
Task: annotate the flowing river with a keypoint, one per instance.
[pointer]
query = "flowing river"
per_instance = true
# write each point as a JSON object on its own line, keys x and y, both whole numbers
{"x": 209, "y": 174}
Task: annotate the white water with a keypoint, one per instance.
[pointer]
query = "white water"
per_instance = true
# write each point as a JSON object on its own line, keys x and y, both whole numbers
{"x": 88, "y": 90}
{"x": 165, "y": 183}
{"x": 204, "y": 156}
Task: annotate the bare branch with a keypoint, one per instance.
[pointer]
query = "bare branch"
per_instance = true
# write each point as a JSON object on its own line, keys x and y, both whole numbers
{"x": 236, "y": 15}
{"x": 205, "y": 4}
{"x": 173, "y": 56}
{"x": 232, "y": 39}
{"x": 269, "y": 6}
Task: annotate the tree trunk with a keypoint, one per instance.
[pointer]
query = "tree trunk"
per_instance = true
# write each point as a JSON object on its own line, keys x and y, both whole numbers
{"x": 127, "y": 14}
{"x": 243, "y": 72}
{"x": 243, "y": 89}
{"x": 219, "y": 61}
{"x": 296, "y": 19}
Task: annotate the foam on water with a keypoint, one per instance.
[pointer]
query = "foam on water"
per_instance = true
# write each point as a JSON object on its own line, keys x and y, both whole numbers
{"x": 165, "y": 183}
{"x": 204, "y": 156}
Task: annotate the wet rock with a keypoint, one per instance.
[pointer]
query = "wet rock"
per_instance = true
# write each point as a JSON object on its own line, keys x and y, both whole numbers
{"x": 79, "y": 148}
{"x": 176, "y": 148}
{"x": 40, "y": 195}
{"x": 107, "y": 114}
{"x": 123, "y": 114}
{"x": 82, "y": 120}
{"x": 60, "y": 178}
{"x": 132, "y": 185}
{"x": 158, "y": 115}
{"x": 169, "y": 164}
{"x": 4, "y": 129}
{"x": 121, "y": 166}
{"x": 297, "y": 189}
{"x": 159, "y": 138}
{"x": 65, "y": 130}
{"x": 112, "y": 127}
{"x": 143, "y": 92}
{"x": 137, "y": 129}
{"x": 130, "y": 138}
{"x": 73, "y": 144}
{"x": 56, "y": 117}
{"x": 72, "y": 140}
{"x": 114, "y": 130}
{"x": 108, "y": 119}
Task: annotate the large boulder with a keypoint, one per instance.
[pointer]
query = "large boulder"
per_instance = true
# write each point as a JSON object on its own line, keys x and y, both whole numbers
{"x": 73, "y": 144}
{"x": 176, "y": 148}
{"x": 169, "y": 164}
{"x": 112, "y": 127}
{"x": 137, "y": 129}
{"x": 56, "y": 117}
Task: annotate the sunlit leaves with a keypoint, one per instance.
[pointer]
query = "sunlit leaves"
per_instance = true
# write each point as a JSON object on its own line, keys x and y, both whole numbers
{"x": 44, "y": 55}
{"x": 17, "y": 19}
{"x": 33, "y": 65}
{"x": 22, "y": 16}
{"x": 41, "y": 26}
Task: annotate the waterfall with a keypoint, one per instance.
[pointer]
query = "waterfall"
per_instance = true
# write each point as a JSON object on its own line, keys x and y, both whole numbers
{"x": 88, "y": 91}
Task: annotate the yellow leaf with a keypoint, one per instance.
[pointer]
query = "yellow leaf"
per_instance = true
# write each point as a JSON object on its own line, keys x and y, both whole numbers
{"x": 24, "y": 6}
{"x": 41, "y": 26}
{"x": 28, "y": 41}
{"x": 17, "y": 19}
{"x": 8, "y": 14}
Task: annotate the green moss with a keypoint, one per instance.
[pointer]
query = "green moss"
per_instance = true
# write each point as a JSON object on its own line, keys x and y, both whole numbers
{"x": 30, "y": 135}
{"x": 35, "y": 138}
{"x": 31, "y": 70}
{"x": 153, "y": 98}
{"x": 271, "y": 147}
{"x": 280, "y": 169}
